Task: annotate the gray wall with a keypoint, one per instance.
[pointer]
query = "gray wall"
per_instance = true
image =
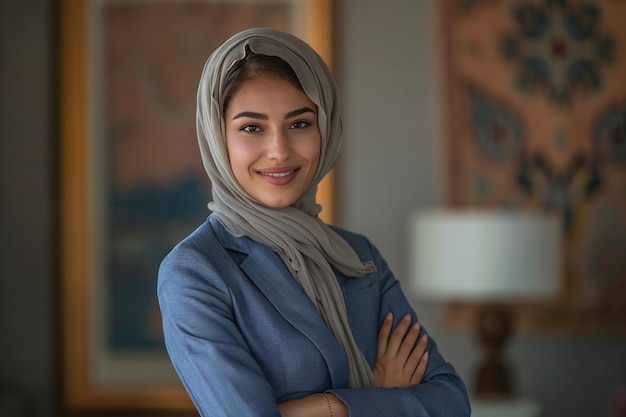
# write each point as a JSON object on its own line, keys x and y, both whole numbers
{"x": 388, "y": 169}
{"x": 27, "y": 325}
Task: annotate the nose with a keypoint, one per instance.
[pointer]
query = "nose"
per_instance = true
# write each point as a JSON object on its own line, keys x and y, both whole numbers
{"x": 278, "y": 147}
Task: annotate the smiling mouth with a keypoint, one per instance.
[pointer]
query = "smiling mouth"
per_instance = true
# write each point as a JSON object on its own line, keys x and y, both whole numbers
{"x": 278, "y": 174}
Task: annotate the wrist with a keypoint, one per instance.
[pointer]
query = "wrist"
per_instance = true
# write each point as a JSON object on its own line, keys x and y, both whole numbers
{"x": 326, "y": 400}
{"x": 338, "y": 407}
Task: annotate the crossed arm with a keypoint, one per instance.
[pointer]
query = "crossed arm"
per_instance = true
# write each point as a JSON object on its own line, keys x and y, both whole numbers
{"x": 209, "y": 314}
{"x": 401, "y": 361}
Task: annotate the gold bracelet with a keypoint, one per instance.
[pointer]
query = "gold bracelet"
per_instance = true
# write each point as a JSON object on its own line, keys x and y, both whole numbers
{"x": 330, "y": 410}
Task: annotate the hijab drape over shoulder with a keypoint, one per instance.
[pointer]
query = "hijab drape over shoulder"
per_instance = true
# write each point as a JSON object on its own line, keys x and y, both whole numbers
{"x": 308, "y": 247}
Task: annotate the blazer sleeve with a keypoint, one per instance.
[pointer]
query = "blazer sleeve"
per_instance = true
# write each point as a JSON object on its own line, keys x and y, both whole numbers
{"x": 203, "y": 341}
{"x": 441, "y": 393}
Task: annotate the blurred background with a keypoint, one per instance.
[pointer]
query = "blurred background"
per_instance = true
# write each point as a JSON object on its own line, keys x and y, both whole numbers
{"x": 385, "y": 61}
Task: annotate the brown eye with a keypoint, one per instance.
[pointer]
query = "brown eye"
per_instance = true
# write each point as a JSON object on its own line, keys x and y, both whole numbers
{"x": 300, "y": 124}
{"x": 250, "y": 128}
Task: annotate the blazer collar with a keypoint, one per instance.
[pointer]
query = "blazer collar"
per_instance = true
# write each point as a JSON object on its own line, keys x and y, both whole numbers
{"x": 265, "y": 268}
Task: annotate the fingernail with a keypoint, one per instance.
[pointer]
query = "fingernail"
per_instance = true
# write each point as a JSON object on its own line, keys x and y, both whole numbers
{"x": 406, "y": 317}
{"x": 389, "y": 316}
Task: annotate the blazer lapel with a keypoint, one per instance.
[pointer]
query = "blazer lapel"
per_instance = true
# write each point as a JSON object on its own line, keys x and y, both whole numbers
{"x": 265, "y": 268}
{"x": 267, "y": 271}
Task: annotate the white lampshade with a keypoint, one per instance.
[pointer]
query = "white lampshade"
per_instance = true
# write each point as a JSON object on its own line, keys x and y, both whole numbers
{"x": 485, "y": 255}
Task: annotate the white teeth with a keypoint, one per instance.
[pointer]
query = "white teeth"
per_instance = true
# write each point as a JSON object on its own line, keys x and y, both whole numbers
{"x": 278, "y": 174}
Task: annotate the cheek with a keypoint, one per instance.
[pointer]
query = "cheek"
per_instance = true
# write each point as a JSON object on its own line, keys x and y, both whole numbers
{"x": 316, "y": 158}
{"x": 231, "y": 148}
{"x": 237, "y": 156}
{"x": 314, "y": 150}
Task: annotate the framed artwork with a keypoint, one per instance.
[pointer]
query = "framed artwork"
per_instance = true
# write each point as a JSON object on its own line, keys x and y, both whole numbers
{"x": 132, "y": 183}
{"x": 535, "y": 110}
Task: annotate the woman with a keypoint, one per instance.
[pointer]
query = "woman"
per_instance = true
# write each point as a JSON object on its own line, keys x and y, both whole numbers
{"x": 267, "y": 311}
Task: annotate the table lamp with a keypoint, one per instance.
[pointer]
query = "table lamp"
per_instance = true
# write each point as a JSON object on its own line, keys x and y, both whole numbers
{"x": 491, "y": 258}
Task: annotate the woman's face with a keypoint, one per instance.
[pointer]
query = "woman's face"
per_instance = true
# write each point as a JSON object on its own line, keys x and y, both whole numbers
{"x": 273, "y": 140}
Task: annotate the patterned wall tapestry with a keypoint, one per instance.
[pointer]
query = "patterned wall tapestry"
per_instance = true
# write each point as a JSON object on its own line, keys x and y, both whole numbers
{"x": 536, "y": 119}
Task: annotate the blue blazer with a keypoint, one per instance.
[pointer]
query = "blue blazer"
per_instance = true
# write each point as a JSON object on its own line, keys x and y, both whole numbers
{"x": 243, "y": 336}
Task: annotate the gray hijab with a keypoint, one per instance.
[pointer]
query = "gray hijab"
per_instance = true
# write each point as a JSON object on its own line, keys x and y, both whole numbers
{"x": 308, "y": 247}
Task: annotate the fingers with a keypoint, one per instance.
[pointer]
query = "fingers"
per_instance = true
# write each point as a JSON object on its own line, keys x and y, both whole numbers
{"x": 418, "y": 360}
{"x": 417, "y": 350}
{"x": 398, "y": 335}
{"x": 401, "y": 359}
{"x": 418, "y": 375}
{"x": 408, "y": 342}
{"x": 402, "y": 339}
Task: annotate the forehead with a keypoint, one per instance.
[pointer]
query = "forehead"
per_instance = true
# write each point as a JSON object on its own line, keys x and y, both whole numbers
{"x": 268, "y": 91}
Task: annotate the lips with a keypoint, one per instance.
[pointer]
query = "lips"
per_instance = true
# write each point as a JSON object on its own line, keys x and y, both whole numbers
{"x": 278, "y": 176}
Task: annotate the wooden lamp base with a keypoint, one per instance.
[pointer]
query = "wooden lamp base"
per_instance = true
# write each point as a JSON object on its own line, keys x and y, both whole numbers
{"x": 493, "y": 378}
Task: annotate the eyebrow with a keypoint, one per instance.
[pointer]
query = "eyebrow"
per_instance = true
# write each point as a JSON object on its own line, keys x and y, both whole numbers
{"x": 299, "y": 111}
{"x": 250, "y": 114}
{"x": 261, "y": 116}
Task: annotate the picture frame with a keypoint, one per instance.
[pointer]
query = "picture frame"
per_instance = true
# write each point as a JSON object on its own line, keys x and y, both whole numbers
{"x": 526, "y": 130}
{"x": 108, "y": 363}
